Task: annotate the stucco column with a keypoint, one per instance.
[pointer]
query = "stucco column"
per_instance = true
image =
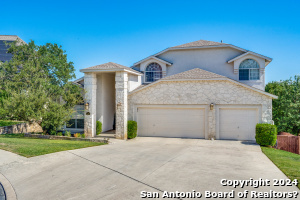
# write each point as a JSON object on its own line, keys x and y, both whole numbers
{"x": 90, "y": 87}
{"x": 212, "y": 123}
{"x": 121, "y": 105}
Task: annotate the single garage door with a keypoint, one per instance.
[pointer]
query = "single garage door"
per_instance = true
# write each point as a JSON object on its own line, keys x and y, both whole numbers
{"x": 171, "y": 122}
{"x": 237, "y": 123}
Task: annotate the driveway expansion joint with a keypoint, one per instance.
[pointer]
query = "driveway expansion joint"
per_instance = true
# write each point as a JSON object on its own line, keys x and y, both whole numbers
{"x": 116, "y": 171}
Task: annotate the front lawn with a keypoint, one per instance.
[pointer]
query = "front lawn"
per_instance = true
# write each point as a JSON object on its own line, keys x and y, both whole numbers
{"x": 288, "y": 163}
{"x": 30, "y": 147}
{"x": 8, "y": 122}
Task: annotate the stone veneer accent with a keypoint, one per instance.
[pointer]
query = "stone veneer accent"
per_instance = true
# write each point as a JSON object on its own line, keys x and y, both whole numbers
{"x": 90, "y": 86}
{"x": 202, "y": 92}
{"x": 121, "y": 104}
{"x": 21, "y": 128}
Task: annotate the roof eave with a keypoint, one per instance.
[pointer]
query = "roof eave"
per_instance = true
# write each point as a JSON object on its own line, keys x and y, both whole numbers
{"x": 212, "y": 79}
{"x": 255, "y": 89}
{"x": 209, "y": 46}
{"x": 77, "y": 80}
{"x": 110, "y": 70}
{"x": 267, "y": 59}
{"x": 152, "y": 57}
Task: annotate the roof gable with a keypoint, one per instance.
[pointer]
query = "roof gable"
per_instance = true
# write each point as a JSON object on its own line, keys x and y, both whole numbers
{"x": 268, "y": 59}
{"x": 195, "y": 73}
{"x": 153, "y": 57}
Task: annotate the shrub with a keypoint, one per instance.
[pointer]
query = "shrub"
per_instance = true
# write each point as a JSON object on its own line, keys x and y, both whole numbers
{"x": 266, "y": 134}
{"x": 83, "y": 135}
{"x": 59, "y": 134}
{"x": 9, "y": 123}
{"x": 77, "y": 135}
{"x": 68, "y": 134}
{"x": 52, "y": 132}
{"x": 98, "y": 127}
{"x": 131, "y": 129}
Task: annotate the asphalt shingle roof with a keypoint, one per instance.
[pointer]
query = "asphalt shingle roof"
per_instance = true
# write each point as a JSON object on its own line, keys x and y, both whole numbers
{"x": 111, "y": 65}
{"x": 194, "y": 74}
{"x": 197, "y": 74}
{"x": 8, "y": 37}
{"x": 11, "y": 38}
{"x": 199, "y": 43}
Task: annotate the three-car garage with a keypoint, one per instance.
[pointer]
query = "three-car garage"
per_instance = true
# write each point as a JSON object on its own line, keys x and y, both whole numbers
{"x": 235, "y": 122}
{"x": 204, "y": 108}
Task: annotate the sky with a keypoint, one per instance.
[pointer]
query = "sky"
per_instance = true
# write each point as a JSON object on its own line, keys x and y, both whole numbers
{"x": 96, "y": 32}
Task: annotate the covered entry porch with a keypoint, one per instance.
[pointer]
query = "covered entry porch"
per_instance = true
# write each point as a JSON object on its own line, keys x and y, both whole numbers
{"x": 106, "y": 88}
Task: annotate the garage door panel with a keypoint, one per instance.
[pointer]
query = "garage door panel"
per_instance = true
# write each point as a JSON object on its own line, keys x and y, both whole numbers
{"x": 171, "y": 122}
{"x": 237, "y": 123}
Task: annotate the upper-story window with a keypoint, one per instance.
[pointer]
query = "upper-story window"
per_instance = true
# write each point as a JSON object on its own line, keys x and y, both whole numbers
{"x": 249, "y": 70}
{"x": 153, "y": 72}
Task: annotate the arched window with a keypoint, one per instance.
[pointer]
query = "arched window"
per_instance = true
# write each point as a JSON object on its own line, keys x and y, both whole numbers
{"x": 153, "y": 72}
{"x": 249, "y": 70}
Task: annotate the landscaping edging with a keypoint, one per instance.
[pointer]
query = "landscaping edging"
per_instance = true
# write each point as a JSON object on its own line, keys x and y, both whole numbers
{"x": 54, "y": 137}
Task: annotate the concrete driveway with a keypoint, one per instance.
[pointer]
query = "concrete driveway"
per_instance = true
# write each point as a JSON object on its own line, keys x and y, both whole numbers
{"x": 123, "y": 169}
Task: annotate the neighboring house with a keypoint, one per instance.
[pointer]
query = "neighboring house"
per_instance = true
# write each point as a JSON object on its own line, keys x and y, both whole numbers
{"x": 201, "y": 89}
{"x": 4, "y": 45}
{"x": 76, "y": 124}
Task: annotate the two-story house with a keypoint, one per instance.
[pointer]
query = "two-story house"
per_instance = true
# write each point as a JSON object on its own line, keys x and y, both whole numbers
{"x": 201, "y": 89}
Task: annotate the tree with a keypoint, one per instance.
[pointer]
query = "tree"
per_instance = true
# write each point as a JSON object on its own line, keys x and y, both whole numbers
{"x": 286, "y": 109}
{"x": 37, "y": 87}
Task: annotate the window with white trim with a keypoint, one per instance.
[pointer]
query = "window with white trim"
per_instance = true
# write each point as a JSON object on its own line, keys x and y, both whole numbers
{"x": 249, "y": 70}
{"x": 153, "y": 72}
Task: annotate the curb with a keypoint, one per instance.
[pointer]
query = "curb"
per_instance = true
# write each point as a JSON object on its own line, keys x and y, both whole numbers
{"x": 9, "y": 190}
{"x": 54, "y": 137}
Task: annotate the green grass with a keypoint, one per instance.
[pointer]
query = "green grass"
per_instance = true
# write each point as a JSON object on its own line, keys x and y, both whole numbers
{"x": 288, "y": 163}
{"x": 30, "y": 147}
{"x": 8, "y": 122}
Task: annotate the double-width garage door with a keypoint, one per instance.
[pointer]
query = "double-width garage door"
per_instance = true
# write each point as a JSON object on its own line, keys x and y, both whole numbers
{"x": 237, "y": 123}
{"x": 233, "y": 123}
{"x": 171, "y": 122}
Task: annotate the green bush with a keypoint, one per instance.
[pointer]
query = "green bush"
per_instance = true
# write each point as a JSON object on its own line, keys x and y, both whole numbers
{"x": 53, "y": 132}
{"x": 59, "y": 134}
{"x": 82, "y": 135}
{"x": 68, "y": 134}
{"x": 98, "y": 127}
{"x": 266, "y": 134}
{"x": 9, "y": 122}
{"x": 131, "y": 129}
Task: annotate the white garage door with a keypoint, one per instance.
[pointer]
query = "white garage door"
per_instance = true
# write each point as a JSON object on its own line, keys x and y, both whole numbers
{"x": 171, "y": 122}
{"x": 237, "y": 124}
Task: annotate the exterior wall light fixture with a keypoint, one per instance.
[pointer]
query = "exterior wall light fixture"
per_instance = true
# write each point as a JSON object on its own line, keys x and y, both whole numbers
{"x": 211, "y": 106}
{"x": 87, "y": 106}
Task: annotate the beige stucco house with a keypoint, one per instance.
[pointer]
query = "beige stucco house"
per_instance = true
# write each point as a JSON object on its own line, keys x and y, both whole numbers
{"x": 201, "y": 89}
